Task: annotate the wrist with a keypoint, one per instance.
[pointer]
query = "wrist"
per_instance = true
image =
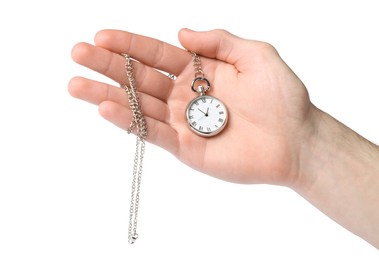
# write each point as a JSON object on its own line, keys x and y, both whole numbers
{"x": 338, "y": 173}
{"x": 313, "y": 150}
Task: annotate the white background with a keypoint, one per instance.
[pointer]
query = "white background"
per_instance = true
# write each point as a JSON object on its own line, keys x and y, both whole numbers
{"x": 65, "y": 172}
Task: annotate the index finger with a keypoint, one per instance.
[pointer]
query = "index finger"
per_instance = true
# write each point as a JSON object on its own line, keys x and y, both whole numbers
{"x": 149, "y": 51}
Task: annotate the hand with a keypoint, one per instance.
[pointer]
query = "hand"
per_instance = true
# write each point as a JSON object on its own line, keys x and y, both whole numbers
{"x": 274, "y": 134}
{"x": 268, "y": 105}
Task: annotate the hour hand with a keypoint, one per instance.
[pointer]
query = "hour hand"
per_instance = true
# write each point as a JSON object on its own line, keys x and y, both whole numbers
{"x": 202, "y": 111}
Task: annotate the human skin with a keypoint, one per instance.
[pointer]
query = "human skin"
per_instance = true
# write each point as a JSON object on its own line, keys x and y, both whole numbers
{"x": 275, "y": 135}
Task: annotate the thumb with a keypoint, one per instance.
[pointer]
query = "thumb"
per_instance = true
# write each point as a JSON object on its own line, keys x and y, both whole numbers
{"x": 218, "y": 44}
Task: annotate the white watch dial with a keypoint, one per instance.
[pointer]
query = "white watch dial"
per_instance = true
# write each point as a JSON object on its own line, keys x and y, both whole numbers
{"x": 206, "y": 115}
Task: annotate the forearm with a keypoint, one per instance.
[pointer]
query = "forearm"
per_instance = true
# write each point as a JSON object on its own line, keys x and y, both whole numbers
{"x": 339, "y": 174}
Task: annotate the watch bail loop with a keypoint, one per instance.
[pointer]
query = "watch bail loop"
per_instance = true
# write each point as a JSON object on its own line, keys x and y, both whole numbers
{"x": 200, "y": 89}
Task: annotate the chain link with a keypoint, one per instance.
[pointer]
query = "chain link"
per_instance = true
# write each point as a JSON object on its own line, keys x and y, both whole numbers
{"x": 138, "y": 124}
{"x": 197, "y": 65}
{"x": 199, "y": 76}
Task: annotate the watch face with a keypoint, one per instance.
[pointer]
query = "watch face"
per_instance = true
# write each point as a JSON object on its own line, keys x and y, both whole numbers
{"x": 206, "y": 115}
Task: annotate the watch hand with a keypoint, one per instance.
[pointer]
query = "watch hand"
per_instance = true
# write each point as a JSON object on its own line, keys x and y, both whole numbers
{"x": 202, "y": 111}
{"x": 201, "y": 118}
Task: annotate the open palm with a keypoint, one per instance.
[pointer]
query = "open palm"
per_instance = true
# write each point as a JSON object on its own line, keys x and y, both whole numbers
{"x": 268, "y": 105}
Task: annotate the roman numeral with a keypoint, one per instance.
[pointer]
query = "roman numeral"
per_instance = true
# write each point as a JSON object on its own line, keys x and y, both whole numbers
{"x": 201, "y": 128}
{"x": 194, "y": 123}
{"x": 203, "y": 99}
{"x": 218, "y": 106}
{"x": 197, "y": 103}
{"x": 190, "y": 117}
{"x": 221, "y": 112}
{"x": 221, "y": 120}
{"x": 209, "y": 129}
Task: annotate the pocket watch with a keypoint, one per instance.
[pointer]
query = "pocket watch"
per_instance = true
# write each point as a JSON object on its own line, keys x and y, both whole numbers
{"x": 205, "y": 114}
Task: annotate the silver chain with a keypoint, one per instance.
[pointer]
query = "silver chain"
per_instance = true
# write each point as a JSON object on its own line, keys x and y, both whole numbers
{"x": 199, "y": 76}
{"x": 197, "y": 65}
{"x": 139, "y": 124}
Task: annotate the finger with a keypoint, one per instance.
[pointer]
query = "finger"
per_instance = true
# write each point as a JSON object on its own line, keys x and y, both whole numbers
{"x": 152, "y": 52}
{"x": 218, "y": 44}
{"x": 112, "y": 65}
{"x": 159, "y": 133}
{"x": 97, "y": 92}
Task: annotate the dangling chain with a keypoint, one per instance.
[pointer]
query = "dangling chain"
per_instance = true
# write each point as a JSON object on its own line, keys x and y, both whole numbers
{"x": 199, "y": 75}
{"x": 138, "y": 122}
{"x": 197, "y": 65}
